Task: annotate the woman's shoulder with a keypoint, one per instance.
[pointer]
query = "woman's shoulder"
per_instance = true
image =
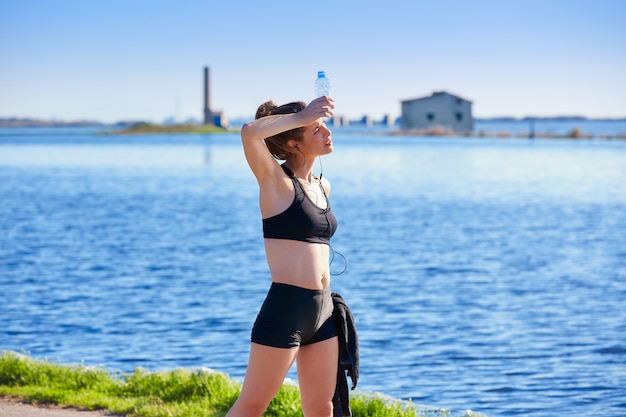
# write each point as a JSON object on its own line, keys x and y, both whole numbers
{"x": 325, "y": 185}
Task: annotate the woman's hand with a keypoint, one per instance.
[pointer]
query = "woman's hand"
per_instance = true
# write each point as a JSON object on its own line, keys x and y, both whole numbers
{"x": 323, "y": 106}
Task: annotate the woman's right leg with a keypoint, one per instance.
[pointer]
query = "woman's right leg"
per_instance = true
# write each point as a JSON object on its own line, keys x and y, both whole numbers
{"x": 266, "y": 372}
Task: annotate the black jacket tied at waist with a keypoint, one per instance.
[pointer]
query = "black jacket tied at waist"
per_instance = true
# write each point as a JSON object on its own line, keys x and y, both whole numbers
{"x": 348, "y": 356}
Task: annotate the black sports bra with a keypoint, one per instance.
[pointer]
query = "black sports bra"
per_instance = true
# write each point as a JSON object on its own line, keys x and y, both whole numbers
{"x": 303, "y": 220}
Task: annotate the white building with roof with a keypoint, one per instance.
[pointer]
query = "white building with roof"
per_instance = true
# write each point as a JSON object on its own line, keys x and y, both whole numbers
{"x": 440, "y": 110}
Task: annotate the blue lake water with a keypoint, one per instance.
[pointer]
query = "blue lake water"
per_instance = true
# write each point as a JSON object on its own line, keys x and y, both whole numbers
{"x": 484, "y": 274}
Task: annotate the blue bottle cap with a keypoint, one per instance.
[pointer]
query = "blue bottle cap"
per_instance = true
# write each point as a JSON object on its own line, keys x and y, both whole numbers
{"x": 321, "y": 74}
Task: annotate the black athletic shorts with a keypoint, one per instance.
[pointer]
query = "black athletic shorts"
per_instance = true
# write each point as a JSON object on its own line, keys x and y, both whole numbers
{"x": 293, "y": 316}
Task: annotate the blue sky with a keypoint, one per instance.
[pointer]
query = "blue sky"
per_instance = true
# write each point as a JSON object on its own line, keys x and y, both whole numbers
{"x": 137, "y": 59}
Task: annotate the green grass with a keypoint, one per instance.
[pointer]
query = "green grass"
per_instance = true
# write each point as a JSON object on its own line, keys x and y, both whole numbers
{"x": 178, "y": 393}
{"x": 143, "y": 127}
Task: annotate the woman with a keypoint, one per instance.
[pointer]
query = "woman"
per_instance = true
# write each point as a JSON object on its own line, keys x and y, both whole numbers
{"x": 295, "y": 320}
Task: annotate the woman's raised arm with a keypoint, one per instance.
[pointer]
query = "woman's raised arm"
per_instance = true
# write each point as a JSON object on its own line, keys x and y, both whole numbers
{"x": 253, "y": 133}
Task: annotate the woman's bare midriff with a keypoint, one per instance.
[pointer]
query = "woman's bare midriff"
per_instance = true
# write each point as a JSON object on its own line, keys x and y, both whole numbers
{"x": 298, "y": 263}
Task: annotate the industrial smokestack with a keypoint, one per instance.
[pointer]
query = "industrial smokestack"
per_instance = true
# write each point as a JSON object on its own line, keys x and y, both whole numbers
{"x": 208, "y": 115}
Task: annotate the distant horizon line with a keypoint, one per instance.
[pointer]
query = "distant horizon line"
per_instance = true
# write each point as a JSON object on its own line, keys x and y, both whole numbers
{"x": 33, "y": 121}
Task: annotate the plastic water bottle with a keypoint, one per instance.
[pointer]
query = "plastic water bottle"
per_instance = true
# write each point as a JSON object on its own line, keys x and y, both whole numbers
{"x": 322, "y": 84}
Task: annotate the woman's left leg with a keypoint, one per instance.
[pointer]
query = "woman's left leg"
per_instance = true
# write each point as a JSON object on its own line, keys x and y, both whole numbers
{"x": 317, "y": 377}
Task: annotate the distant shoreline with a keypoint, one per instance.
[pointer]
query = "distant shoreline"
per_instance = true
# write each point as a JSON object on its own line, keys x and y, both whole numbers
{"x": 31, "y": 122}
{"x": 130, "y": 128}
{"x": 549, "y": 119}
{"x": 148, "y": 128}
{"x": 575, "y": 133}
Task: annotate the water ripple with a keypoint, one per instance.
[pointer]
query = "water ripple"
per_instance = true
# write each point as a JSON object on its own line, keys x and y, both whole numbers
{"x": 486, "y": 275}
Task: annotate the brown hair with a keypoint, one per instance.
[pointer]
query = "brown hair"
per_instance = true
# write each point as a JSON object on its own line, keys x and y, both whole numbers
{"x": 277, "y": 144}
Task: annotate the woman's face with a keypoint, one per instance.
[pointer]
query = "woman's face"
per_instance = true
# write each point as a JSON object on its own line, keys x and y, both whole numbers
{"x": 316, "y": 139}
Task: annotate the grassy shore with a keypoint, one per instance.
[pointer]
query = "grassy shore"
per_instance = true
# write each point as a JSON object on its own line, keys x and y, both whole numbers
{"x": 178, "y": 393}
{"x": 150, "y": 128}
